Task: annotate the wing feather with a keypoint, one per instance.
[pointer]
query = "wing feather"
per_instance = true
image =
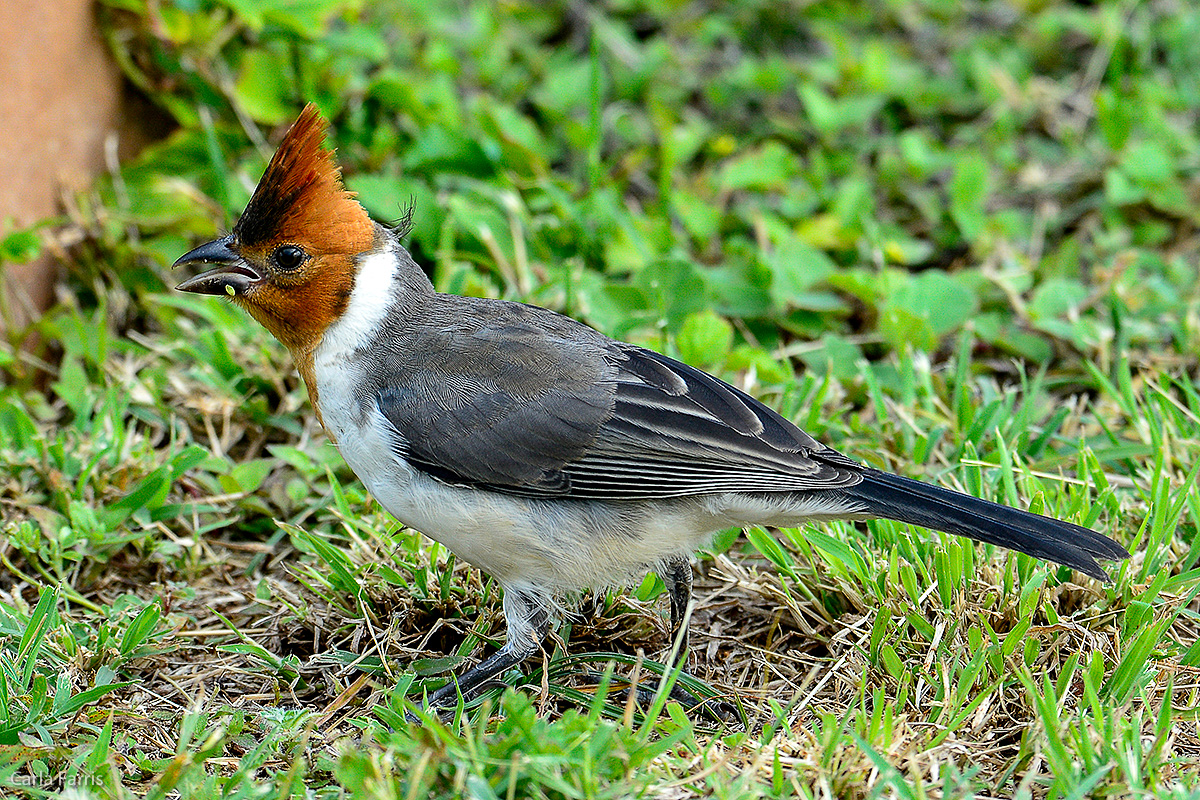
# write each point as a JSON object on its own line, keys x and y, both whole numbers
{"x": 529, "y": 402}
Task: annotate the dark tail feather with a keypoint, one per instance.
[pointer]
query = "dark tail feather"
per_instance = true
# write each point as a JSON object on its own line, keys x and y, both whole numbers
{"x": 893, "y": 497}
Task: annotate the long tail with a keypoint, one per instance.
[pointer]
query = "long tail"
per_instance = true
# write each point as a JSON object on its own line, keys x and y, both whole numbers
{"x": 893, "y": 497}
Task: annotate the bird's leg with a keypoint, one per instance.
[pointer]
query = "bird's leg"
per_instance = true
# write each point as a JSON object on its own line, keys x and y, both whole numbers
{"x": 677, "y": 575}
{"x": 528, "y": 623}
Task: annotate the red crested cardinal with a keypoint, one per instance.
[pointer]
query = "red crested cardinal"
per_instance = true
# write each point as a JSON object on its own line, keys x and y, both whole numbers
{"x": 533, "y": 447}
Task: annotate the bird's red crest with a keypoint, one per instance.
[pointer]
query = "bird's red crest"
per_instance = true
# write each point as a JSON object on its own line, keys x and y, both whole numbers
{"x": 301, "y": 197}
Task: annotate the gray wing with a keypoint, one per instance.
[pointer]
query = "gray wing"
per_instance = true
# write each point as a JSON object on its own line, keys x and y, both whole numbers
{"x": 678, "y": 431}
{"x": 533, "y": 403}
{"x": 501, "y": 395}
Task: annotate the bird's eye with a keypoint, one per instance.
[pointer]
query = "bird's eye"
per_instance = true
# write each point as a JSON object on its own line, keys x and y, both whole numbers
{"x": 289, "y": 256}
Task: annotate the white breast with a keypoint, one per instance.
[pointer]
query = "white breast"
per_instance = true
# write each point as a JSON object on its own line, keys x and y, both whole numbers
{"x": 339, "y": 373}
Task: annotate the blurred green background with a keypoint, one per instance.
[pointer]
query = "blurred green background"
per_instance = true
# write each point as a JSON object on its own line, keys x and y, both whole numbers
{"x": 859, "y": 177}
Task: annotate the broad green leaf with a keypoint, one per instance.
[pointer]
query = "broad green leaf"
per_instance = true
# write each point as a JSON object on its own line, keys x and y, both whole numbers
{"x": 968, "y": 189}
{"x": 768, "y": 167}
{"x": 796, "y": 267}
{"x": 262, "y": 87}
{"x": 704, "y": 339}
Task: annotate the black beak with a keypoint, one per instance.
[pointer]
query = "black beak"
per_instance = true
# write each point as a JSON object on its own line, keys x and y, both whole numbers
{"x": 231, "y": 276}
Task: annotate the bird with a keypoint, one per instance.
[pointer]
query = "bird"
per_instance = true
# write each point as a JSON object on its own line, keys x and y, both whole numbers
{"x": 539, "y": 450}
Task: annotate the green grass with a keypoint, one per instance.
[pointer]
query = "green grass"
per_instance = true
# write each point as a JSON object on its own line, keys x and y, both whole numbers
{"x": 953, "y": 240}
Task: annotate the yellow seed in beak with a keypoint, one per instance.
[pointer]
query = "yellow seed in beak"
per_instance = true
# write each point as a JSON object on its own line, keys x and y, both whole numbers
{"x": 229, "y": 290}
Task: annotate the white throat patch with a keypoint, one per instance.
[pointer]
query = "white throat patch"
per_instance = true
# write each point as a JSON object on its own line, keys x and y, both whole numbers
{"x": 369, "y": 303}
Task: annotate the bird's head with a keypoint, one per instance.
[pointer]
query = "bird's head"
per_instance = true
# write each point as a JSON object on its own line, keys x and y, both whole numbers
{"x": 291, "y": 258}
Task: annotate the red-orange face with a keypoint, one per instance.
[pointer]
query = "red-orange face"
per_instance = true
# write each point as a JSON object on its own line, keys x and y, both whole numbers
{"x": 290, "y": 260}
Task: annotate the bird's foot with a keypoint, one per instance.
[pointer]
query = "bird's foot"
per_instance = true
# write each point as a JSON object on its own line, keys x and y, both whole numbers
{"x": 713, "y": 709}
